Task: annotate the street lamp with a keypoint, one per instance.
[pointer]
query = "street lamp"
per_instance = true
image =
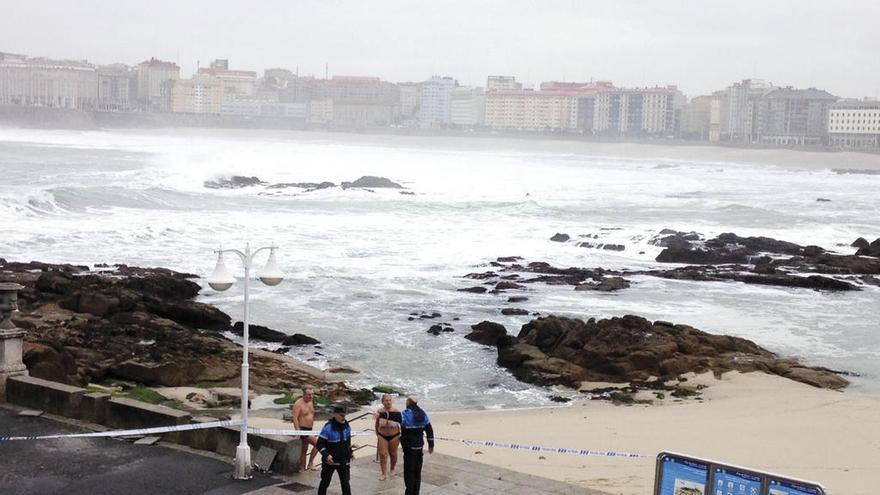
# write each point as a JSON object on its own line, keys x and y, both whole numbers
{"x": 221, "y": 280}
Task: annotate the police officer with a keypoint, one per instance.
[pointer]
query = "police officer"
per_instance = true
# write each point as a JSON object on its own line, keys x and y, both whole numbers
{"x": 415, "y": 426}
{"x": 334, "y": 444}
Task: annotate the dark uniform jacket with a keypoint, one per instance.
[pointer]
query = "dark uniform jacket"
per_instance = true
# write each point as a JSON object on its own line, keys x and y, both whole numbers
{"x": 335, "y": 440}
{"x": 415, "y": 425}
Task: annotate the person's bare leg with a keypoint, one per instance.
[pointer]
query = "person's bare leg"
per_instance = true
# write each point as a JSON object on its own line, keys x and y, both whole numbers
{"x": 314, "y": 443}
{"x": 382, "y": 448}
{"x": 304, "y": 448}
{"x": 392, "y": 453}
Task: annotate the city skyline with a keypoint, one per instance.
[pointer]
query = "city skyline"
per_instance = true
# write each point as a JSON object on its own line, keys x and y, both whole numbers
{"x": 565, "y": 41}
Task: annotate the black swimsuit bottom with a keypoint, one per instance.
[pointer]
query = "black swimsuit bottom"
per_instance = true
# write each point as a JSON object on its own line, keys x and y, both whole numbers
{"x": 388, "y": 438}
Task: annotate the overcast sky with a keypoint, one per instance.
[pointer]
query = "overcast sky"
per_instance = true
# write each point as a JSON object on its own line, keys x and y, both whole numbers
{"x": 700, "y": 45}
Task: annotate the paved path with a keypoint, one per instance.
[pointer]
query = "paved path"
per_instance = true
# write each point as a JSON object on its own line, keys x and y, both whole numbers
{"x": 106, "y": 466}
{"x": 441, "y": 475}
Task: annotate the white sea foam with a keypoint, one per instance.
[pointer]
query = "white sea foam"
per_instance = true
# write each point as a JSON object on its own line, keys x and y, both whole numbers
{"x": 359, "y": 262}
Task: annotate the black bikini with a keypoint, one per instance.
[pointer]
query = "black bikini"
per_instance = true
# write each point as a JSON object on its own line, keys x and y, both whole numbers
{"x": 389, "y": 437}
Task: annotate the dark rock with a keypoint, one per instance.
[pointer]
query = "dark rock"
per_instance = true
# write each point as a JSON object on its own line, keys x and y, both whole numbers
{"x": 516, "y": 299}
{"x": 481, "y": 276}
{"x": 613, "y": 247}
{"x": 486, "y": 333}
{"x": 872, "y": 249}
{"x": 407, "y": 193}
{"x": 299, "y": 339}
{"x": 60, "y": 282}
{"x": 560, "y": 399}
{"x": 372, "y": 181}
{"x": 509, "y": 259}
{"x": 438, "y": 329}
{"x": 260, "y": 332}
{"x": 48, "y": 363}
{"x": 234, "y": 182}
{"x": 556, "y": 350}
{"x": 508, "y": 285}
{"x": 861, "y": 242}
{"x": 560, "y": 237}
{"x": 514, "y": 311}
{"x": 312, "y": 186}
{"x": 823, "y": 200}
{"x": 606, "y": 284}
{"x": 475, "y": 290}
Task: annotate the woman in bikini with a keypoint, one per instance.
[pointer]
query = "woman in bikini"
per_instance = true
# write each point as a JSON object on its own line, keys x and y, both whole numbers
{"x": 387, "y": 437}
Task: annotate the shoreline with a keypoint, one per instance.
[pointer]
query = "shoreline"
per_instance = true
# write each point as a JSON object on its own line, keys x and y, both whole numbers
{"x": 678, "y": 150}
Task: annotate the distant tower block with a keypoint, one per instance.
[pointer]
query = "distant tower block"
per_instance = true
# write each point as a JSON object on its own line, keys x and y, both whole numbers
{"x": 10, "y": 336}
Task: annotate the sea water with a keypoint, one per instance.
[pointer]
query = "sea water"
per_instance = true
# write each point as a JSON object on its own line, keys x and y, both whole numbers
{"x": 359, "y": 262}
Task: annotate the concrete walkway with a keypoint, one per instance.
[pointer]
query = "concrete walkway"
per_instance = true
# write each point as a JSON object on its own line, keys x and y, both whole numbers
{"x": 441, "y": 475}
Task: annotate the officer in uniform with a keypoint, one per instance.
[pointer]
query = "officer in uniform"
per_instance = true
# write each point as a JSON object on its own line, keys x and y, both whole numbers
{"x": 415, "y": 426}
{"x": 334, "y": 444}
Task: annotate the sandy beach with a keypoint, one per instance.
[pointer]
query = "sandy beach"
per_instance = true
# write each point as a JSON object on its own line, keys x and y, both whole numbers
{"x": 753, "y": 420}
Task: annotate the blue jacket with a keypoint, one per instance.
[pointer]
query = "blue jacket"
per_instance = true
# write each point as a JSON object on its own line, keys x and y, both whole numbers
{"x": 415, "y": 425}
{"x": 335, "y": 440}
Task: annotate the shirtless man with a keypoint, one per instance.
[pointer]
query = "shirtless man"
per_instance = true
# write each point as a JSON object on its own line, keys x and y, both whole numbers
{"x": 304, "y": 419}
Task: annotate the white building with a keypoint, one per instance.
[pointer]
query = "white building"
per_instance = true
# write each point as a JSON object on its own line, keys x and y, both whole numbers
{"x": 528, "y": 110}
{"x": 203, "y": 94}
{"x": 47, "y": 83}
{"x": 467, "y": 107}
{"x": 434, "y": 101}
{"x": 155, "y": 80}
{"x": 855, "y": 124}
{"x": 502, "y": 83}
{"x": 637, "y": 111}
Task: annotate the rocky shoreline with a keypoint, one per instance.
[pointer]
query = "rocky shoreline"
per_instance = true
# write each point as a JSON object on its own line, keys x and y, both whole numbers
{"x": 142, "y": 325}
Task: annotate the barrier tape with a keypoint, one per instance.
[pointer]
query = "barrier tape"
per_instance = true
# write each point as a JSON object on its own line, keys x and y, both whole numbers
{"x": 538, "y": 448}
{"x": 310, "y": 433}
{"x": 291, "y": 432}
{"x": 131, "y": 433}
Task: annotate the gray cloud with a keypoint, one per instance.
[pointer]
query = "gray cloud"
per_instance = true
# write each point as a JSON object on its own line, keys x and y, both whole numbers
{"x": 700, "y": 45}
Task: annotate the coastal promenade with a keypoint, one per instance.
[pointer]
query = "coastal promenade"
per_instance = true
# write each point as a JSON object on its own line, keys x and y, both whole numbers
{"x": 441, "y": 475}
{"x": 106, "y": 465}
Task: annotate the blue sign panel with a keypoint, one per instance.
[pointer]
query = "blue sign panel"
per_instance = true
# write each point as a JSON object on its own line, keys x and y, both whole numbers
{"x": 786, "y": 487}
{"x": 731, "y": 481}
{"x": 680, "y": 476}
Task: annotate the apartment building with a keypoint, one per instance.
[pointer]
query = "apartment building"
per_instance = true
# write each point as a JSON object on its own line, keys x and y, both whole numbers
{"x": 529, "y": 110}
{"x": 855, "y": 124}
{"x": 116, "y": 88}
{"x": 637, "y": 111}
{"x": 503, "y": 83}
{"x": 467, "y": 107}
{"x": 793, "y": 117}
{"x": 155, "y": 81}
{"x": 202, "y": 94}
{"x": 435, "y": 100}
{"x": 410, "y": 98}
{"x": 44, "y": 82}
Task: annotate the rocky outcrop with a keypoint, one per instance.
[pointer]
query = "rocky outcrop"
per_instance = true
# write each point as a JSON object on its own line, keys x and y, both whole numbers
{"x": 556, "y": 350}
{"x": 486, "y": 333}
{"x": 872, "y": 249}
{"x": 138, "y": 324}
{"x": 372, "y": 182}
{"x": 233, "y": 182}
{"x": 557, "y": 237}
{"x": 308, "y": 186}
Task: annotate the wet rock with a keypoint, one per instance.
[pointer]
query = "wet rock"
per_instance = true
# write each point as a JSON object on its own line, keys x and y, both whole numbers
{"x": 558, "y": 237}
{"x": 823, "y": 200}
{"x": 514, "y": 311}
{"x": 559, "y": 399}
{"x": 438, "y": 329}
{"x": 613, "y": 247}
{"x": 861, "y": 242}
{"x": 606, "y": 284}
{"x": 372, "y": 181}
{"x": 233, "y": 182}
{"x": 311, "y": 186}
{"x": 481, "y": 276}
{"x": 508, "y": 285}
{"x": 486, "y": 333}
{"x": 556, "y": 350}
{"x": 516, "y": 299}
{"x": 475, "y": 290}
{"x": 48, "y": 363}
{"x": 872, "y": 249}
{"x": 299, "y": 339}
{"x": 260, "y": 332}
{"x": 509, "y": 259}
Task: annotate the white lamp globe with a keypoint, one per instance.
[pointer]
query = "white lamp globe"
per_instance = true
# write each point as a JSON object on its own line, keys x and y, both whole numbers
{"x": 271, "y": 274}
{"x": 221, "y": 279}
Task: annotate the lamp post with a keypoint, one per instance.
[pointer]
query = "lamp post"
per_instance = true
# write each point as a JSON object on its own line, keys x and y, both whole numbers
{"x": 221, "y": 280}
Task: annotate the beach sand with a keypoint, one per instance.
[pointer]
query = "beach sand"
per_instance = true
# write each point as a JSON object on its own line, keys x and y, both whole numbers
{"x": 752, "y": 420}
